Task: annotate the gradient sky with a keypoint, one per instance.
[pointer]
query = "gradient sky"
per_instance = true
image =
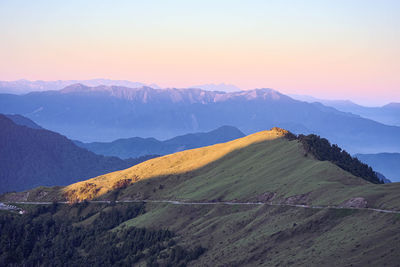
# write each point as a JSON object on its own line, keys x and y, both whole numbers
{"x": 332, "y": 49}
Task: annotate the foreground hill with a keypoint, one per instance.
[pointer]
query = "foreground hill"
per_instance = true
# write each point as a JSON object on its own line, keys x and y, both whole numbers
{"x": 34, "y": 157}
{"x": 266, "y": 163}
{"x": 270, "y": 163}
{"x": 386, "y": 163}
{"x": 106, "y": 113}
{"x": 231, "y": 204}
{"x": 137, "y": 147}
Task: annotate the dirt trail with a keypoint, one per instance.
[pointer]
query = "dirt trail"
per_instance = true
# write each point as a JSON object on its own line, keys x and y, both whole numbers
{"x": 176, "y": 202}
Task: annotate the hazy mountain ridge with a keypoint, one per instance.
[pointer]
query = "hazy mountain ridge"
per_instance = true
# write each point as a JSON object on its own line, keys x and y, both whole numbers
{"x": 386, "y": 163}
{"x": 38, "y": 157}
{"x": 218, "y": 87}
{"x": 25, "y": 86}
{"x": 146, "y": 94}
{"x": 136, "y": 146}
{"x": 107, "y": 113}
{"x": 388, "y": 114}
{"x": 23, "y": 121}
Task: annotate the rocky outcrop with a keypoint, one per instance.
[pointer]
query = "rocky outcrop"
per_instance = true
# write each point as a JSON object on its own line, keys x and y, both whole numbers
{"x": 357, "y": 202}
{"x": 266, "y": 197}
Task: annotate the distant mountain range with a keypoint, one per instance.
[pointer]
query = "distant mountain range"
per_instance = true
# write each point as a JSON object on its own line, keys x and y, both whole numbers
{"x": 386, "y": 163}
{"x": 223, "y": 87}
{"x": 26, "y": 86}
{"x": 388, "y": 114}
{"x": 106, "y": 113}
{"x": 136, "y": 146}
{"x": 31, "y": 157}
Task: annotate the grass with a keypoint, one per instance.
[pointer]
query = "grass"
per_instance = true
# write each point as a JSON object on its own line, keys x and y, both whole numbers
{"x": 277, "y": 166}
{"x": 174, "y": 164}
{"x": 265, "y": 235}
{"x": 240, "y": 170}
{"x": 243, "y": 170}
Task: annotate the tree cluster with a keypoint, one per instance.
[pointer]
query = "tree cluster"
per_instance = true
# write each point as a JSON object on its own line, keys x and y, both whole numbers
{"x": 321, "y": 149}
{"x": 52, "y": 236}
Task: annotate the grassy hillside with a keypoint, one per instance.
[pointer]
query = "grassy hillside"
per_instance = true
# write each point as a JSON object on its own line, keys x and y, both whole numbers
{"x": 264, "y": 167}
{"x": 279, "y": 236}
{"x": 170, "y": 165}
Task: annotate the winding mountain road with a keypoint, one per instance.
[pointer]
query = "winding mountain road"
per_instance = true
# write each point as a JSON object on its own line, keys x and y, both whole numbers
{"x": 176, "y": 202}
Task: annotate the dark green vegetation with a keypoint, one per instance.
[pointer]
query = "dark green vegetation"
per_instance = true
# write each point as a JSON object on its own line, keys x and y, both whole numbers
{"x": 136, "y": 146}
{"x": 321, "y": 149}
{"x": 386, "y": 163}
{"x": 81, "y": 235}
{"x": 36, "y": 157}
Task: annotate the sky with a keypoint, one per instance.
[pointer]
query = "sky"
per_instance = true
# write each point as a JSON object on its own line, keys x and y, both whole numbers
{"x": 341, "y": 49}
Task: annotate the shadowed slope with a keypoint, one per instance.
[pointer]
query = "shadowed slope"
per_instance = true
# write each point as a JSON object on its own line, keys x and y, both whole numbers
{"x": 36, "y": 157}
{"x": 23, "y": 121}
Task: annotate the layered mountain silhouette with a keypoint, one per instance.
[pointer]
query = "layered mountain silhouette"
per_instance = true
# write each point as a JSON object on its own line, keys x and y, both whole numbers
{"x": 137, "y": 147}
{"x": 218, "y": 87}
{"x": 386, "y": 163}
{"x": 106, "y": 113}
{"x": 388, "y": 114}
{"x": 37, "y": 157}
{"x": 25, "y": 86}
{"x": 23, "y": 121}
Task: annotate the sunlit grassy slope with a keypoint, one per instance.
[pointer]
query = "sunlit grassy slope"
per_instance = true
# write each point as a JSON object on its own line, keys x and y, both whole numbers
{"x": 246, "y": 169}
{"x": 174, "y": 164}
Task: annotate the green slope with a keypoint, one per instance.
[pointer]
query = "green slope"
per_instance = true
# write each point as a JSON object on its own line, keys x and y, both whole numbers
{"x": 266, "y": 167}
{"x": 276, "y": 166}
{"x": 279, "y": 236}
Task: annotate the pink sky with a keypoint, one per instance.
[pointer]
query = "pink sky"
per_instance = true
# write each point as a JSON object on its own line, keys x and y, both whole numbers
{"x": 349, "y": 49}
